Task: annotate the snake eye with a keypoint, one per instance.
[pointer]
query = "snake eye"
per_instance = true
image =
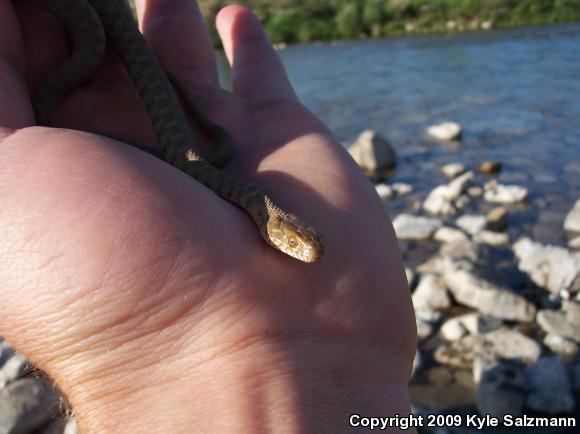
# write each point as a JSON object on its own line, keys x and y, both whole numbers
{"x": 292, "y": 241}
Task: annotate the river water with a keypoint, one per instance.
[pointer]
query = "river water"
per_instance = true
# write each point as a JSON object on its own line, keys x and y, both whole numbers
{"x": 515, "y": 92}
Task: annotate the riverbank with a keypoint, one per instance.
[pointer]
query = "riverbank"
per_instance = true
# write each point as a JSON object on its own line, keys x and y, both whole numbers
{"x": 323, "y": 20}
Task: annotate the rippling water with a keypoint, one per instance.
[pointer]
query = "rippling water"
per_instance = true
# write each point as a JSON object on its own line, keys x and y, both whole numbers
{"x": 515, "y": 92}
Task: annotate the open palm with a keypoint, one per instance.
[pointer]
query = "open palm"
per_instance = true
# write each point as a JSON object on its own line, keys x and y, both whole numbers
{"x": 118, "y": 269}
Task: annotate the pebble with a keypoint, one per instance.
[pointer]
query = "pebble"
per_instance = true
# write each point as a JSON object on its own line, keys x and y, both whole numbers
{"x": 491, "y": 238}
{"x": 71, "y": 426}
{"x": 574, "y": 243}
{"x": 452, "y": 170}
{"x": 458, "y": 354}
{"x": 456, "y": 252}
{"x": 445, "y": 131}
{"x": 431, "y": 293}
{"x": 496, "y": 219}
{"x": 549, "y": 386}
{"x": 551, "y": 267}
{"x": 27, "y": 405}
{"x": 13, "y": 369}
{"x": 471, "y": 223}
{"x": 445, "y": 234}
{"x": 561, "y": 345}
{"x": 401, "y": 189}
{"x": 372, "y": 152}
{"x": 511, "y": 344}
{"x": 506, "y": 194}
{"x": 411, "y": 227}
{"x": 437, "y": 203}
{"x": 424, "y": 329}
{"x": 452, "y": 330}
{"x": 489, "y": 167}
{"x": 557, "y": 322}
{"x": 428, "y": 315}
{"x": 384, "y": 191}
{"x": 476, "y": 323}
{"x": 483, "y": 295}
{"x": 442, "y": 199}
{"x": 410, "y": 274}
{"x": 475, "y": 191}
{"x": 572, "y": 221}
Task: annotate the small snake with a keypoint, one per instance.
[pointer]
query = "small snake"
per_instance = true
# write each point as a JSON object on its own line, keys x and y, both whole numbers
{"x": 93, "y": 24}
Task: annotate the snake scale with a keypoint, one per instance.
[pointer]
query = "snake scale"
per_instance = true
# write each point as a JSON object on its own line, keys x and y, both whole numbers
{"x": 93, "y": 25}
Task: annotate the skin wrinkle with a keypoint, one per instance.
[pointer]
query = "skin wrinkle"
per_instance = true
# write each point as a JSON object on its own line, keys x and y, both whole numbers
{"x": 261, "y": 295}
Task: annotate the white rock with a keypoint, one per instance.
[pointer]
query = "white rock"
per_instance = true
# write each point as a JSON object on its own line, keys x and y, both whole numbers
{"x": 560, "y": 323}
{"x": 475, "y": 191}
{"x": 71, "y": 426}
{"x": 445, "y": 131}
{"x": 574, "y": 243}
{"x": 372, "y": 152}
{"x": 437, "y": 204}
{"x": 549, "y": 384}
{"x": 471, "y": 224}
{"x": 431, "y": 293}
{"x": 452, "y": 253}
{"x": 410, "y": 227}
{"x": 402, "y": 189}
{"x": 14, "y": 367}
{"x": 572, "y": 222}
{"x": 459, "y": 185}
{"x": 410, "y": 274}
{"x": 550, "y": 267}
{"x": 458, "y": 353}
{"x": 491, "y": 238}
{"x": 510, "y": 344}
{"x": 429, "y": 315}
{"x": 452, "y": 169}
{"x": 384, "y": 191}
{"x": 562, "y": 346}
{"x": 497, "y": 219}
{"x": 488, "y": 298}
{"x": 424, "y": 329}
{"x": 446, "y": 234}
{"x": 476, "y": 323}
{"x": 441, "y": 200}
{"x": 452, "y": 330}
{"x": 499, "y": 193}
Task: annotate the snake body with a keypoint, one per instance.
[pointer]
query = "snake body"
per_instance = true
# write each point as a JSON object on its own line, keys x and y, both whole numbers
{"x": 92, "y": 24}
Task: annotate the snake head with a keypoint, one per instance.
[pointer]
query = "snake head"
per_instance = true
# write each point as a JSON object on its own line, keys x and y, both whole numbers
{"x": 295, "y": 238}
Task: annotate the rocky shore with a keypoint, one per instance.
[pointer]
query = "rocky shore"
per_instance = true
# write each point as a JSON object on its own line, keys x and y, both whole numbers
{"x": 498, "y": 319}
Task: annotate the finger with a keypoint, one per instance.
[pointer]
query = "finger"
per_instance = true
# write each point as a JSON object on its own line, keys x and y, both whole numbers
{"x": 15, "y": 110}
{"x": 256, "y": 68}
{"x": 179, "y": 36}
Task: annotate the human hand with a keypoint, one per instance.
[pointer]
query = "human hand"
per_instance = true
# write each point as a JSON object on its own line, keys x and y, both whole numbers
{"x": 154, "y": 303}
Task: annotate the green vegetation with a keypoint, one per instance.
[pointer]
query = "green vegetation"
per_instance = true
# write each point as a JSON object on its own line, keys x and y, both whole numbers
{"x": 311, "y": 20}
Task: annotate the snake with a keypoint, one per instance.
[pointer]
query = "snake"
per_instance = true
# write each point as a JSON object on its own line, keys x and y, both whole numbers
{"x": 94, "y": 26}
